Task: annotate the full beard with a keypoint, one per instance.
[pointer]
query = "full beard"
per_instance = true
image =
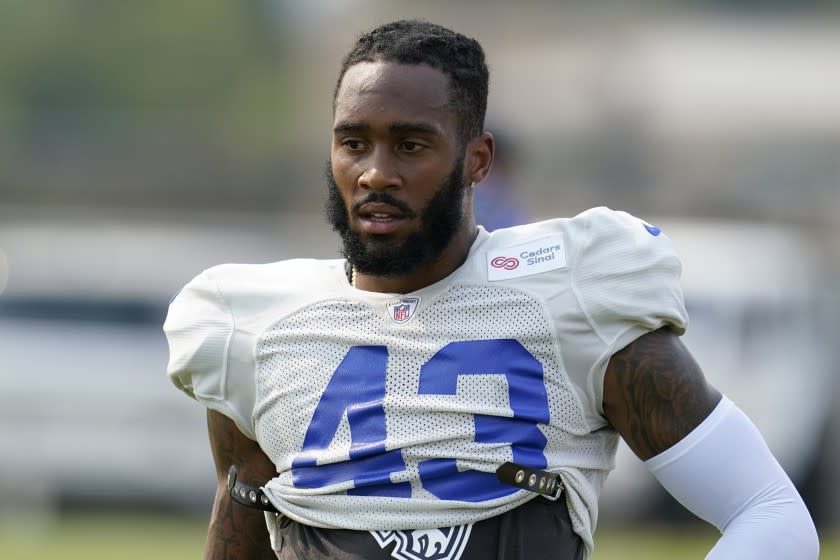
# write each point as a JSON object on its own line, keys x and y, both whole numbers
{"x": 378, "y": 255}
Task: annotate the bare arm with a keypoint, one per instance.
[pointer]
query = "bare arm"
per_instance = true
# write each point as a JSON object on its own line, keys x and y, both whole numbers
{"x": 236, "y": 532}
{"x": 655, "y": 393}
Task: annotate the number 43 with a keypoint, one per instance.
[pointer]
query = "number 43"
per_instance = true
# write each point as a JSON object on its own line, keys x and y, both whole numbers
{"x": 357, "y": 388}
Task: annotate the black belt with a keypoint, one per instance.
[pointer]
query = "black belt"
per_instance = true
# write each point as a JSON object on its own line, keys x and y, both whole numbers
{"x": 546, "y": 483}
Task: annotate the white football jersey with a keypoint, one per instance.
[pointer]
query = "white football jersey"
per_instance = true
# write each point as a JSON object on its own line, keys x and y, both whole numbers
{"x": 393, "y": 411}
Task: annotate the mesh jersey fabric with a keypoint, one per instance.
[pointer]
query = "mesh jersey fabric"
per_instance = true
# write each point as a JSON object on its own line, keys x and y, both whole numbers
{"x": 392, "y": 411}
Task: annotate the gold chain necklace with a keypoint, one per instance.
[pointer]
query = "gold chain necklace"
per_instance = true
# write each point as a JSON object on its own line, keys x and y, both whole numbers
{"x": 353, "y": 276}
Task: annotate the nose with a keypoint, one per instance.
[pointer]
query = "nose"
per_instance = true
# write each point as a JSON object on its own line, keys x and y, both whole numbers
{"x": 380, "y": 173}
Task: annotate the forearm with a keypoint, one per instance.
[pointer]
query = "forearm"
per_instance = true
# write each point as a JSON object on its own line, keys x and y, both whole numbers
{"x": 237, "y": 532}
{"x": 724, "y": 473}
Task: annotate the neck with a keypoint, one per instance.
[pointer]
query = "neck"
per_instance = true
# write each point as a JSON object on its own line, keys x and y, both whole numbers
{"x": 442, "y": 266}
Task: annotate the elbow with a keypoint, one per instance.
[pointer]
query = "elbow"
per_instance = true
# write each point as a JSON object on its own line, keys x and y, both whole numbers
{"x": 782, "y": 529}
{"x": 808, "y": 541}
{"x": 797, "y": 529}
{"x": 801, "y": 537}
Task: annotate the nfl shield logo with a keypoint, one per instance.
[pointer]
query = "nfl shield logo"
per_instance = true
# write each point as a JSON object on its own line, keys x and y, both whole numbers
{"x": 401, "y": 310}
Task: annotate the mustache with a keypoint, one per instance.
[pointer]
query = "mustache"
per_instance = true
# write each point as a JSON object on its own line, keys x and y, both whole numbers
{"x": 384, "y": 198}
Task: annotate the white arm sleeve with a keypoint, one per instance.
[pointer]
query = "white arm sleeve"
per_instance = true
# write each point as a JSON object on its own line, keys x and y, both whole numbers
{"x": 724, "y": 473}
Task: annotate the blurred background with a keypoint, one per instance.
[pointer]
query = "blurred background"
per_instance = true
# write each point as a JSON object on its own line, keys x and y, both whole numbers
{"x": 141, "y": 142}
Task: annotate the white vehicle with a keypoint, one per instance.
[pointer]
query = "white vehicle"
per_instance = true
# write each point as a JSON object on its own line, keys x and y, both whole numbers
{"x": 87, "y": 413}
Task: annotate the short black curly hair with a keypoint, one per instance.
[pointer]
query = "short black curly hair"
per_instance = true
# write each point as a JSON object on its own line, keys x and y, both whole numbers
{"x": 420, "y": 42}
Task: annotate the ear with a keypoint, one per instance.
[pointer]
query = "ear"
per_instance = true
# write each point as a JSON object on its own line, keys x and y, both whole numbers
{"x": 479, "y": 157}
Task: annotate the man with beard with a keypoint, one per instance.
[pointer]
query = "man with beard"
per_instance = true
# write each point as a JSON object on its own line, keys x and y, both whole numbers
{"x": 447, "y": 393}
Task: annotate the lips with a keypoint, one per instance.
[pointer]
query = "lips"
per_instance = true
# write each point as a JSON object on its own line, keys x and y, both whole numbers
{"x": 379, "y": 209}
{"x": 380, "y": 218}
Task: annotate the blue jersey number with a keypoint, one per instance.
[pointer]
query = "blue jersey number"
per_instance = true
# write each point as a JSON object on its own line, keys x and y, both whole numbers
{"x": 358, "y": 388}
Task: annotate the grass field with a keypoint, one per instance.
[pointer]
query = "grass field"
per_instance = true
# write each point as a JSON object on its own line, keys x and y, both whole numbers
{"x": 135, "y": 537}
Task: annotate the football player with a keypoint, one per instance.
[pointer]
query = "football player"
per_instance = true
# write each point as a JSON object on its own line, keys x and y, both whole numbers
{"x": 443, "y": 392}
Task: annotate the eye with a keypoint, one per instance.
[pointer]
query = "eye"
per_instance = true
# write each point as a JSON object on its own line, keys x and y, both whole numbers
{"x": 410, "y": 146}
{"x": 353, "y": 144}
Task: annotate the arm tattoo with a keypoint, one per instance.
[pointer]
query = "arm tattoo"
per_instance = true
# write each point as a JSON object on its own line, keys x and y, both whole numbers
{"x": 655, "y": 393}
{"x": 236, "y": 532}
